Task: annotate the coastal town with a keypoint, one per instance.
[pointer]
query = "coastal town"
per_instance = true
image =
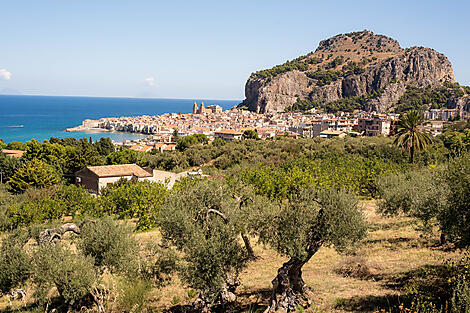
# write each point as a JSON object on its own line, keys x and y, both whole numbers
{"x": 228, "y": 125}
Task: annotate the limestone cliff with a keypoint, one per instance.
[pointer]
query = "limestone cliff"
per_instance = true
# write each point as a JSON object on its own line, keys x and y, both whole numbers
{"x": 360, "y": 64}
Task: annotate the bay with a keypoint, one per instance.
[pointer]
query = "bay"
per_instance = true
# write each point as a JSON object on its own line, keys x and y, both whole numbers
{"x": 41, "y": 117}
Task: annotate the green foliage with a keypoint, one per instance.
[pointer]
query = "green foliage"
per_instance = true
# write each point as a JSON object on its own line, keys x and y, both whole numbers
{"x": 8, "y": 166}
{"x": 218, "y": 142}
{"x": 133, "y": 294}
{"x": 313, "y": 216}
{"x": 416, "y": 98}
{"x": 57, "y": 266}
{"x": 335, "y": 63}
{"x": 110, "y": 245}
{"x": 125, "y": 156}
{"x": 104, "y": 146}
{"x": 34, "y": 173}
{"x": 439, "y": 194}
{"x": 419, "y": 193}
{"x": 2, "y": 144}
{"x": 16, "y": 145}
{"x": 15, "y": 264}
{"x": 188, "y": 141}
{"x": 132, "y": 199}
{"x": 324, "y": 77}
{"x": 303, "y": 105}
{"x": 352, "y": 173}
{"x": 347, "y": 104}
{"x": 455, "y": 219}
{"x": 250, "y": 134}
{"x": 158, "y": 263}
{"x": 300, "y": 64}
{"x": 352, "y": 68}
{"x": 197, "y": 220}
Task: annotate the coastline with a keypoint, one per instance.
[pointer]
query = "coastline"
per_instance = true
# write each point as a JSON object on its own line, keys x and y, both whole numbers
{"x": 86, "y": 129}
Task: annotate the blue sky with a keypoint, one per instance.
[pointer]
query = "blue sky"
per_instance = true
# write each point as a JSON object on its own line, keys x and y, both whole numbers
{"x": 198, "y": 49}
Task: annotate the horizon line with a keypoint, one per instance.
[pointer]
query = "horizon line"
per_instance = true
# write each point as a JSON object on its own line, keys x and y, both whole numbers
{"x": 127, "y": 97}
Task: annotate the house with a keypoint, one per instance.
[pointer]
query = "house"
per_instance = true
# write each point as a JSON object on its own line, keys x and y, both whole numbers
{"x": 94, "y": 178}
{"x": 13, "y": 153}
{"x": 228, "y": 135}
{"x": 332, "y": 134}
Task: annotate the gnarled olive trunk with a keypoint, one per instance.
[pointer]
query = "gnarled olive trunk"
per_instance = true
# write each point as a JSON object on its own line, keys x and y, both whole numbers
{"x": 248, "y": 247}
{"x": 289, "y": 288}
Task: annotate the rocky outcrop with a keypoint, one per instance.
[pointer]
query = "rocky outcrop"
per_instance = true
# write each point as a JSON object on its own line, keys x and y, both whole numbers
{"x": 382, "y": 70}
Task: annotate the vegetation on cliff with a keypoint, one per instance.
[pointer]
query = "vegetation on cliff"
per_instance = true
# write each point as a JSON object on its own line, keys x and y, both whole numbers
{"x": 351, "y": 66}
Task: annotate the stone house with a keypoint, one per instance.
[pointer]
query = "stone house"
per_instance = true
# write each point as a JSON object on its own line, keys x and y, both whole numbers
{"x": 94, "y": 178}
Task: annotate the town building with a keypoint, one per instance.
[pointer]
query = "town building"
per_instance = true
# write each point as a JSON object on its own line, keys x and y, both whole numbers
{"x": 374, "y": 126}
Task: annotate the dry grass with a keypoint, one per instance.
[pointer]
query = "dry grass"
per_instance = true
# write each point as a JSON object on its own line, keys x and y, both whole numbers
{"x": 393, "y": 250}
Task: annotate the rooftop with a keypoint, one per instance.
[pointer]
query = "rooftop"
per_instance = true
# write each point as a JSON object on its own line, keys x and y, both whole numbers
{"x": 119, "y": 170}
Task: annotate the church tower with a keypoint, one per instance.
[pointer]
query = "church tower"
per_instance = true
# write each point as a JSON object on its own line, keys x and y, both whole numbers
{"x": 202, "y": 110}
{"x": 195, "y": 109}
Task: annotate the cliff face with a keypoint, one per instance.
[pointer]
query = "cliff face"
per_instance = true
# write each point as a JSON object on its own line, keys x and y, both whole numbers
{"x": 348, "y": 65}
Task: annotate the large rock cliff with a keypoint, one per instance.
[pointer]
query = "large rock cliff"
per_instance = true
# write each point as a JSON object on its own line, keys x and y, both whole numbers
{"x": 361, "y": 64}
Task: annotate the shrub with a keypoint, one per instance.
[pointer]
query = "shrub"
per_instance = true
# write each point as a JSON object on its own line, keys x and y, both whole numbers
{"x": 15, "y": 264}
{"x": 133, "y": 199}
{"x": 460, "y": 302}
{"x": 158, "y": 263}
{"x": 72, "y": 274}
{"x": 111, "y": 245}
{"x": 133, "y": 294}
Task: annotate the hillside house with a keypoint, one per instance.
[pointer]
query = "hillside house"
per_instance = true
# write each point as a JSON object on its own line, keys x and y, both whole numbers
{"x": 94, "y": 178}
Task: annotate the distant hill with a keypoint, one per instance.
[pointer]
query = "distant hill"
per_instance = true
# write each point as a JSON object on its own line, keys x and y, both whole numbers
{"x": 359, "y": 70}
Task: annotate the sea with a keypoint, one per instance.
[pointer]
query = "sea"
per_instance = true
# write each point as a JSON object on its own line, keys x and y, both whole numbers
{"x": 23, "y": 118}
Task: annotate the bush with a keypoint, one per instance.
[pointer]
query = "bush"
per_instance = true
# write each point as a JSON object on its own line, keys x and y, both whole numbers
{"x": 111, "y": 245}
{"x": 419, "y": 193}
{"x": 460, "y": 302}
{"x": 15, "y": 264}
{"x": 133, "y": 199}
{"x": 133, "y": 294}
{"x": 158, "y": 263}
{"x": 72, "y": 274}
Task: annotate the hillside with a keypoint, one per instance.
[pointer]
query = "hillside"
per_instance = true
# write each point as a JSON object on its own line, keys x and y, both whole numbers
{"x": 359, "y": 70}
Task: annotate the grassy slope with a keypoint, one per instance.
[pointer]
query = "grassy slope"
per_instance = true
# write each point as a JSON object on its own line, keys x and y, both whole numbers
{"x": 394, "y": 247}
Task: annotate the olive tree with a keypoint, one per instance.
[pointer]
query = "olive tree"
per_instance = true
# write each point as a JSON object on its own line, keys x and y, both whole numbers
{"x": 297, "y": 229}
{"x": 199, "y": 220}
{"x": 455, "y": 218}
{"x": 422, "y": 194}
{"x": 15, "y": 264}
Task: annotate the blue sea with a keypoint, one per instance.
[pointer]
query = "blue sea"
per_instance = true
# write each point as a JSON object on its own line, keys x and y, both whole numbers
{"x": 41, "y": 117}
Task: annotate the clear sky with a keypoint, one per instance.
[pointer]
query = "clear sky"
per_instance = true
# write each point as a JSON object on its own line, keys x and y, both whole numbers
{"x": 198, "y": 49}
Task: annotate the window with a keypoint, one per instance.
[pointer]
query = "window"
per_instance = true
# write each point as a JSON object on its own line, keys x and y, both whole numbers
{"x": 79, "y": 179}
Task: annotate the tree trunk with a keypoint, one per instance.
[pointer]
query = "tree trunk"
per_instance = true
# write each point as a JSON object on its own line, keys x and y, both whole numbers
{"x": 412, "y": 153}
{"x": 249, "y": 249}
{"x": 289, "y": 289}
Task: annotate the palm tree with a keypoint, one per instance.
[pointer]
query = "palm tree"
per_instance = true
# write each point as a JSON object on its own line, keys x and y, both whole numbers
{"x": 410, "y": 134}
